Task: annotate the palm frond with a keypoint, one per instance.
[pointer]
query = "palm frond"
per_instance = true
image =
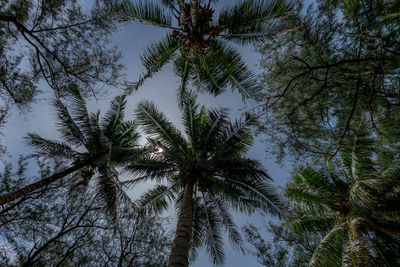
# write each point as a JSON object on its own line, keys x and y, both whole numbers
{"x": 79, "y": 112}
{"x": 227, "y": 221}
{"x": 192, "y": 119}
{"x": 184, "y": 70}
{"x": 213, "y": 242}
{"x": 171, "y": 4}
{"x": 262, "y": 195}
{"x": 159, "y": 127}
{"x": 67, "y": 126}
{"x": 156, "y": 200}
{"x": 151, "y": 168}
{"x": 312, "y": 222}
{"x": 52, "y": 149}
{"x": 147, "y": 12}
{"x": 329, "y": 250}
{"x": 125, "y": 135}
{"x": 157, "y": 55}
{"x": 108, "y": 190}
{"x": 236, "y": 138}
{"x": 207, "y": 74}
{"x": 236, "y": 72}
{"x": 252, "y": 20}
{"x": 114, "y": 116}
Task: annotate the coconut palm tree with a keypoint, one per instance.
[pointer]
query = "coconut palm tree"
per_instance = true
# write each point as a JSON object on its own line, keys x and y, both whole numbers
{"x": 351, "y": 208}
{"x": 198, "y": 42}
{"x": 89, "y": 144}
{"x": 203, "y": 172}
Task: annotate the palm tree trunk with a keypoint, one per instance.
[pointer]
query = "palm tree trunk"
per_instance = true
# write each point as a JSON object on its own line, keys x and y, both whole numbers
{"x": 181, "y": 4}
{"x": 46, "y": 181}
{"x": 194, "y": 13}
{"x": 179, "y": 256}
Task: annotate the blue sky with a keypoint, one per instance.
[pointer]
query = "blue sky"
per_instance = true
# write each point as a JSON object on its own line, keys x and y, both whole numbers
{"x": 132, "y": 38}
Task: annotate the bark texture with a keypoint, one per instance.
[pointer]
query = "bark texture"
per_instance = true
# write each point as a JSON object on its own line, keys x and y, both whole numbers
{"x": 179, "y": 256}
{"x": 194, "y": 13}
{"x": 34, "y": 186}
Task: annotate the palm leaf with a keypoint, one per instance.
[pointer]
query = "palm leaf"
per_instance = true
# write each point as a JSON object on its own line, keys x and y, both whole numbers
{"x": 147, "y": 12}
{"x": 52, "y": 149}
{"x": 184, "y": 70}
{"x": 158, "y": 126}
{"x": 114, "y": 116}
{"x": 235, "y": 70}
{"x": 251, "y": 20}
{"x": 226, "y": 218}
{"x": 329, "y": 250}
{"x": 155, "y": 57}
{"x": 157, "y": 199}
{"x": 67, "y": 126}
{"x": 213, "y": 241}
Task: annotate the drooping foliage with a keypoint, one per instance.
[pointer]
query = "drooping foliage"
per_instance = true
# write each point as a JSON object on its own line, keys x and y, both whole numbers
{"x": 210, "y": 157}
{"x": 97, "y": 146}
{"x": 355, "y": 208}
{"x": 198, "y": 43}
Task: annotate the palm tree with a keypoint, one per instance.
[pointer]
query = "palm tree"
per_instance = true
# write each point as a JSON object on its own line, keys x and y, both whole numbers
{"x": 204, "y": 174}
{"x": 351, "y": 208}
{"x": 199, "y": 46}
{"x": 89, "y": 144}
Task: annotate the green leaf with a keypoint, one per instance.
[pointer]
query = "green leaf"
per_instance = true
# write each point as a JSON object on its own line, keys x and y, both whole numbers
{"x": 147, "y": 12}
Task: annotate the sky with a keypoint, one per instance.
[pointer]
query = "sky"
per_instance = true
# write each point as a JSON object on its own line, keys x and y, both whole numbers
{"x": 132, "y": 38}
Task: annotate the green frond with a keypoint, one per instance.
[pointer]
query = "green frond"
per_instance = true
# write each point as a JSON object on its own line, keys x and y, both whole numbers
{"x": 156, "y": 200}
{"x": 79, "y": 112}
{"x": 121, "y": 155}
{"x": 312, "y": 222}
{"x": 171, "y": 4}
{"x": 159, "y": 127}
{"x": 192, "y": 120}
{"x": 252, "y": 20}
{"x": 125, "y": 135}
{"x": 147, "y": 12}
{"x": 314, "y": 179}
{"x": 154, "y": 58}
{"x": 242, "y": 169}
{"x": 67, "y": 126}
{"x": 329, "y": 250}
{"x": 236, "y": 138}
{"x": 222, "y": 210}
{"x": 158, "y": 54}
{"x": 261, "y": 194}
{"x": 215, "y": 128}
{"x": 150, "y": 167}
{"x": 107, "y": 189}
{"x": 184, "y": 70}
{"x": 114, "y": 116}
{"x": 236, "y": 72}
{"x": 222, "y": 67}
{"x": 208, "y": 76}
{"x": 51, "y": 149}
{"x": 359, "y": 250}
{"x": 213, "y": 240}
{"x": 309, "y": 196}
{"x": 198, "y": 229}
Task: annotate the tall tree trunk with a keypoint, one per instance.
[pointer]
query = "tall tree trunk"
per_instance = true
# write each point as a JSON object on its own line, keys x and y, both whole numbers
{"x": 181, "y": 4}
{"x": 195, "y": 13}
{"x": 46, "y": 181}
{"x": 179, "y": 256}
